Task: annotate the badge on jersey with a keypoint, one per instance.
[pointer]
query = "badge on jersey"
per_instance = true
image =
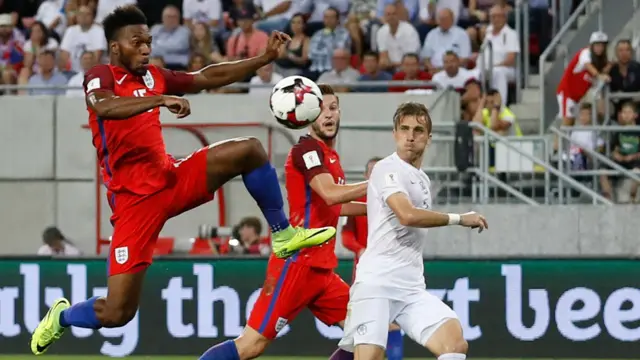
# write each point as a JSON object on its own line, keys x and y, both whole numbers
{"x": 281, "y": 323}
{"x": 93, "y": 84}
{"x": 148, "y": 80}
{"x": 391, "y": 179}
{"x": 311, "y": 159}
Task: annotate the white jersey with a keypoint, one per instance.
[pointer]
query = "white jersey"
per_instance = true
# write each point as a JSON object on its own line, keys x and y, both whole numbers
{"x": 393, "y": 257}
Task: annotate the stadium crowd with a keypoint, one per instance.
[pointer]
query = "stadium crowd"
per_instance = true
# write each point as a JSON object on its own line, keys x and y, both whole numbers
{"x": 52, "y": 42}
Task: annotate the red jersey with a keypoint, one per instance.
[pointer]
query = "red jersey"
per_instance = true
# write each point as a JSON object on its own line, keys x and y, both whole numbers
{"x": 576, "y": 80}
{"x": 399, "y": 76}
{"x": 132, "y": 152}
{"x": 355, "y": 232}
{"x": 308, "y": 158}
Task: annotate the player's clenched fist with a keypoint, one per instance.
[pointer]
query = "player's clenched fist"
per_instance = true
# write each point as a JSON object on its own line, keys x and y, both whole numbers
{"x": 474, "y": 220}
{"x": 276, "y": 40}
{"x": 177, "y": 105}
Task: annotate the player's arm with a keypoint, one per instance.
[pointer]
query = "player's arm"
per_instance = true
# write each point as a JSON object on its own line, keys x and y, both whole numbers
{"x": 354, "y": 208}
{"x": 349, "y": 237}
{"x": 226, "y": 73}
{"x": 100, "y": 97}
{"x": 333, "y": 193}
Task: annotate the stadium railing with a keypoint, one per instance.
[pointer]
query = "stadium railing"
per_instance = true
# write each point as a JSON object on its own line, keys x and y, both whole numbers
{"x": 598, "y": 159}
{"x": 522, "y": 63}
{"x": 486, "y": 72}
{"x": 522, "y": 155}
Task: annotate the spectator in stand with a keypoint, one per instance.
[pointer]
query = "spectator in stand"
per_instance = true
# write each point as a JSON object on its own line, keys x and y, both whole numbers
{"x": 264, "y": 76}
{"x": 249, "y": 41}
{"x": 47, "y": 75}
{"x": 88, "y": 60}
{"x": 274, "y": 14}
{"x": 56, "y": 244}
{"x": 71, "y": 8}
{"x": 317, "y": 11}
{"x": 506, "y": 45}
{"x": 247, "y": 238}
{"x": 407, "y": 10}
{"x": 446, "y": 37}
{"x": 625, "y": 73}
{"x": 208, "y": 12}
{"x": 410, "y": 71}
{"x": 429, "y": 9}
{"x": 11, "y": 8}
{"x": 86, "y": 36}
{"x": 586, "y": 65}
{"x": 395, "y": 39}
{"x": 453, "y": 76}
{"x": 11, "y": 50}
{"x": 157, "y": 61}
{"x": 104, "y": 7}
{"x": 171, "y": 40}
{"x": 495, "y": 115}
{"x": 625, "y": 147}
{"x": 39, "y": 40}
{"x": 372, "y": 72}
{"x": 197, "y": 62}
{"x": 294, "y": 58}
{"x": 341, "y": 73}
{"x": 583, "y": 139}
{"x": 324, "y": 43}
{"x": 202, "y": 42}
{"x": 540, "y": 20}
{"x": 470, "y": 99}
{"x": 51, "y": 14}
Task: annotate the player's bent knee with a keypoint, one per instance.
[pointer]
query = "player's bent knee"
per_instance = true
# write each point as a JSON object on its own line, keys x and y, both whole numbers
{"x": 447, "y": 339}
{"x": 368, "y": 352}
{"x": 251, "y": 344}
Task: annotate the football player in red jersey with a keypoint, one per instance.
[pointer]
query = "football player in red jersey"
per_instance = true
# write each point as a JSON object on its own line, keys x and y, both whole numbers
{"x": 354, "y": 237}
{"x": 146, "y": 186}
{"x": 317, "y": 194}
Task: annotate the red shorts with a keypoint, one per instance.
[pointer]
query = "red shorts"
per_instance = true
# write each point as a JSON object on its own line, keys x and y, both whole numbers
{"x": 138, "y": 219}
{"x": 289, "y": 288}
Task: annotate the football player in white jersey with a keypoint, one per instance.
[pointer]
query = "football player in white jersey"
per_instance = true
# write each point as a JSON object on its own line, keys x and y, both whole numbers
{"x": 389, "y": 284}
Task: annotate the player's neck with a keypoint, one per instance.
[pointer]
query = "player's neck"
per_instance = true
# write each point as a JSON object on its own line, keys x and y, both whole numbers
{"x": 412, "y": 159}
{"x": 330, "y": 142}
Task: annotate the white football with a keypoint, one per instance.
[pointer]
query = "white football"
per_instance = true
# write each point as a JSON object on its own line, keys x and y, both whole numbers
{"x": 296, "y": 102}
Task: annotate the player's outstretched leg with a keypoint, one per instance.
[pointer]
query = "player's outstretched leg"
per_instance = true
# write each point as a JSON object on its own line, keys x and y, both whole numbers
{"x": 246, "y": 157}
{"x": 115, "y": 310}
{"x": 250, "y": 345}
{"x": 447, "y": 342}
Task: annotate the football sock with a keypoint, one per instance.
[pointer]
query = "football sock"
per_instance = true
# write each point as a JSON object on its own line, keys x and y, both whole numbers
{"x": 224, "y": 351}
{"x": 452, "y": 356}
{"x": 341, "y": 355}
{"x": 81, "y": 315}
{"x": 395, "y": 345}
{"x": 262, "y": 183}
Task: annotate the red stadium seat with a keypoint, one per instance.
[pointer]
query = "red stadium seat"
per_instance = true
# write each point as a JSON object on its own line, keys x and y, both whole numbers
{"x": 164, "y": 246}
{"x": 201, "y": 247}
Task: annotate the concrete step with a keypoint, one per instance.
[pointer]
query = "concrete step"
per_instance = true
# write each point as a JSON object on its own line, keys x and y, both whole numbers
{"x": 534, "y": 81}
{"x": 526, "y": 110}
{"x": 529, "y": 126}
{"x": 530, "y": 96}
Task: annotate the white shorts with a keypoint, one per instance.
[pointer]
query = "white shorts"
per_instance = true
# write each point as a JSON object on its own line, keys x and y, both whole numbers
{"x": 419, "y": 314}
{"x": 568, "y": 107}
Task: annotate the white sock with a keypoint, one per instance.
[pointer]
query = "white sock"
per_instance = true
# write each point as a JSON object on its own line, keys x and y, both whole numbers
{"x": 452, "y": 356}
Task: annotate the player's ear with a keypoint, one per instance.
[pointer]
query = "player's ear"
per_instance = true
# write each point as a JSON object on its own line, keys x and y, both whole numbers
{"x": 114, "y": 48}
{"x": 429, "y": 140}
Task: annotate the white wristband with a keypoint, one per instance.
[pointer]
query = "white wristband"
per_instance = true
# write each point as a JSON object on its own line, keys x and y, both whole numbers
{"x": 454, "y": 219}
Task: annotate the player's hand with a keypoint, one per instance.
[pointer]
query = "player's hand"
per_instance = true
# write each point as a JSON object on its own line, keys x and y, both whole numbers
{"x": 276, "y": 41}
{"x": 177, "y": 105}
{"x": 474, "y": 220}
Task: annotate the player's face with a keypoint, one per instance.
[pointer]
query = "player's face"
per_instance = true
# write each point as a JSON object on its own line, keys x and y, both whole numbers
{"x": 412, "y": 136}
{"x": 328, "y": 123}
{"x": 133, "y": 48}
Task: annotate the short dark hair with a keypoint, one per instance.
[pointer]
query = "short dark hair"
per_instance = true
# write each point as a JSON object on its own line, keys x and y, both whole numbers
{"x": 373, "y": 159}
{"x": 121, "y": 17}
{"x": 411, "y": 108}
{"x": 411, "y": 55}
{"x": 252, "y": 222}
{"x": 51, "y": 53}
{"x": 492, "y": 92}
{"x": 326, "y": 89}
{"x": 586, "y": 106}
{"x": 335, "y": 10}
{"x": 624, "y": 41}
{"x": 629, "y": 104}
{"x": 371, "y": 53}
{"x": 451, "y": 53}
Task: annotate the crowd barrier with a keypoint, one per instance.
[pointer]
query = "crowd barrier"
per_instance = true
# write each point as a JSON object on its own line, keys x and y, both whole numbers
{"x": 546, "y": 308}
